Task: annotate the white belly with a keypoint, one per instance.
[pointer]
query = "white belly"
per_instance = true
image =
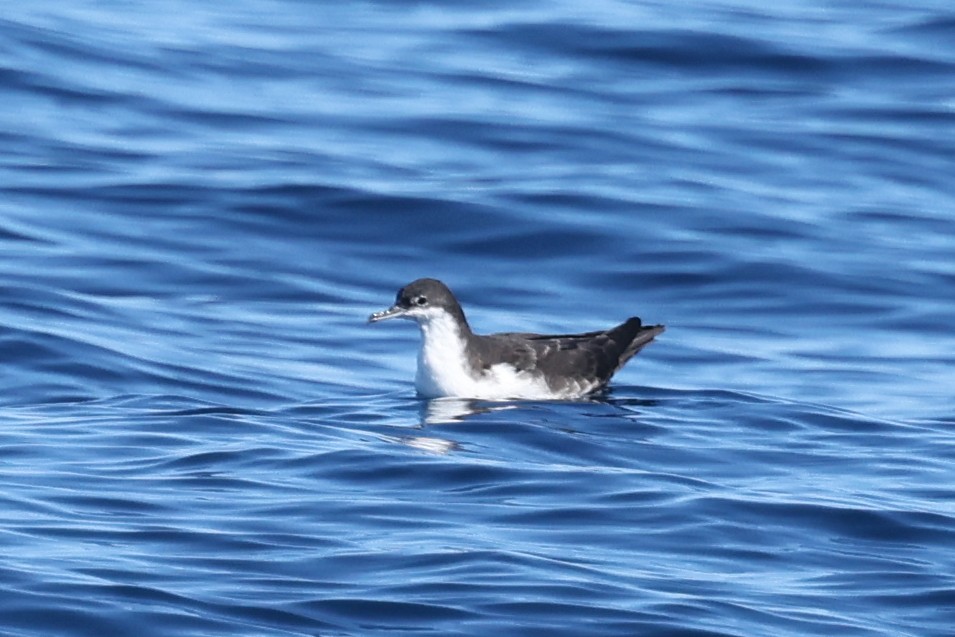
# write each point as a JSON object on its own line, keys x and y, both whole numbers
{"x": 497, "y": 383}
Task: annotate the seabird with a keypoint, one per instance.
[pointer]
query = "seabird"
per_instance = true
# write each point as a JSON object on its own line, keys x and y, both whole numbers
{"x": 454, "y": 361}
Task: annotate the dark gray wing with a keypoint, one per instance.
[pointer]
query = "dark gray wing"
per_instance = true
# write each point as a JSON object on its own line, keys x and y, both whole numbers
{"x": 592, "y": 357}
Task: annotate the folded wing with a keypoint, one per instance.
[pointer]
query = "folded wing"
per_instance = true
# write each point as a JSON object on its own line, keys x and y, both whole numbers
{"x": 591, "y": 358}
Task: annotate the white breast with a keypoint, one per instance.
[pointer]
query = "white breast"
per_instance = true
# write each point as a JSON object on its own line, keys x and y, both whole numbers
{"x": 443, "y": 368}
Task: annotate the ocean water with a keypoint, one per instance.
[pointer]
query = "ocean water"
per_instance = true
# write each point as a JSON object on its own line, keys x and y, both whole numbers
{"x": 201, "y": 203}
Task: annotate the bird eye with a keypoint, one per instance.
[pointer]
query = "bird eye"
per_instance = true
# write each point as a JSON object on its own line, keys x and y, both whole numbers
{"x": 420, "y": 300}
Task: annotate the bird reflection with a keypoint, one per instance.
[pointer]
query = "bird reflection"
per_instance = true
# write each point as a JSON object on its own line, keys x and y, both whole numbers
{"x": 437, "y": 446}
{"x": 442, "y": 411}
{"x": 445, "y": 411}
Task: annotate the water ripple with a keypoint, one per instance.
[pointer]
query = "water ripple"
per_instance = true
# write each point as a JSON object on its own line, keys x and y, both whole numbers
{"x": 200, "y": 434}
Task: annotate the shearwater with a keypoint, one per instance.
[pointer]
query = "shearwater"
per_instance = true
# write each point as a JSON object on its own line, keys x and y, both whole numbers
{"x": 454, "y": 361}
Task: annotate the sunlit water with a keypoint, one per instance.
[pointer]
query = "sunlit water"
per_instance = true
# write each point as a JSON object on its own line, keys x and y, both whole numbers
{"x": 200, "y": 206}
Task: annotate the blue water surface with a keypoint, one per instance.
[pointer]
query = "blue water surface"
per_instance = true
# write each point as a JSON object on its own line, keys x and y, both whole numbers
{"x": 200, "y": 204}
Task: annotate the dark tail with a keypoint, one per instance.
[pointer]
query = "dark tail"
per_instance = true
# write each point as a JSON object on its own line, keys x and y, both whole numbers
{"x": 638, "y": 335}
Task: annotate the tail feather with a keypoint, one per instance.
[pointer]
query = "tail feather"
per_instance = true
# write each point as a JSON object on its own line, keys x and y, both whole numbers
{"x": 639, "y": 336}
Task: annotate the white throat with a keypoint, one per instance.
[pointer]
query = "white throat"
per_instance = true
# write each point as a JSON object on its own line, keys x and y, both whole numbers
{"x": 443, "y": 368}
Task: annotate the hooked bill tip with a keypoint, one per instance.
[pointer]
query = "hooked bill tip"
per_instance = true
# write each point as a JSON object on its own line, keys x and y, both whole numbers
{"x": 385, "y": 314}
